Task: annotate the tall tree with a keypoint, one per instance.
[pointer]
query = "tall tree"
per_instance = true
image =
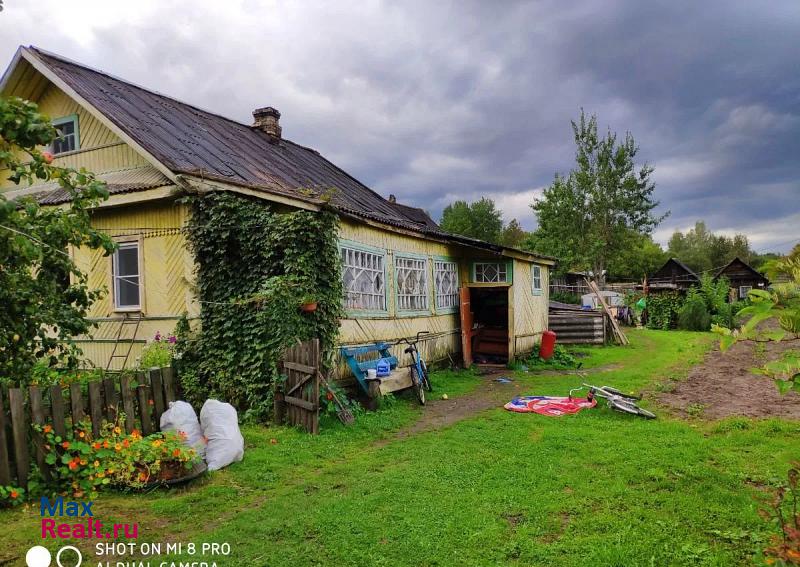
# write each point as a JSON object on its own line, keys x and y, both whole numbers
{"x": 513, "y": 235}
{"x": 41, "y": 308}
{"x": 702, "y": 250}
{"x": 480, "y": 219}
{"x": 586, "y": 217}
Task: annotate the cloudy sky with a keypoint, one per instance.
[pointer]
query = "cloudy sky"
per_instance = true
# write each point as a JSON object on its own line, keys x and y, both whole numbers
{"x": 439, "y": 101}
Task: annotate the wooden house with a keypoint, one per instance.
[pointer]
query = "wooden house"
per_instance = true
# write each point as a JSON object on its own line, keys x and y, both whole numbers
{"x": 402, "y": 273}
{"x": 742, "y": 278}
{"x": 673, "y": 275}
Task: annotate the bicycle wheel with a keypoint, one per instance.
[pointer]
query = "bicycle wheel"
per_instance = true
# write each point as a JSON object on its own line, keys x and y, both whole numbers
{"x": 621, "y": 394}
{"x": 416, "y": 383}
{"x": 626, "y": 406}
{"x": 425, "y": 376}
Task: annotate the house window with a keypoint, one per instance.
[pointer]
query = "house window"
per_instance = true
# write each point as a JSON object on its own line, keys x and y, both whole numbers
{"x": 445, "y": 276}
{"x": 127, "y": 279}
{"x": 67, "y": 140}
{"x": 411, "y": 275}
{"x": 491, "y": 272}
{"x": 537, "y": 280}
{"x": 743, "y": 289}
{"x": 364, "y": 279}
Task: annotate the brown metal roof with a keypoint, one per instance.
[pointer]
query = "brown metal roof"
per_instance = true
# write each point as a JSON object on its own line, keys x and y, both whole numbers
{"x": 192, "y": 141}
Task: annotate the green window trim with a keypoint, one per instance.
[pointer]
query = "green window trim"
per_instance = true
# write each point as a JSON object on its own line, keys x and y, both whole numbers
{"x": 509, "y": 271}
{"x": 356, "y": 313}
{"x": 66, "y": 120}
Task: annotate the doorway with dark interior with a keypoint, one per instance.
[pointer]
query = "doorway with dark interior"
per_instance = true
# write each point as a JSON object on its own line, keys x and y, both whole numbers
{"x": 490, "y": 324}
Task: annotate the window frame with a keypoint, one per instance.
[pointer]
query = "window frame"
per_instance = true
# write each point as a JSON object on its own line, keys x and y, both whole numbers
{"x": 127, "y": 242}
{"x": 748, "y": 288}
{"x": 363, "y": 312}
{"x": 426, "y": 272}
{"x": 65, "y": 120}
{"x": 509, "y": 273}
{"x": 537, "y": 291}
{"x": 446, "y": 260}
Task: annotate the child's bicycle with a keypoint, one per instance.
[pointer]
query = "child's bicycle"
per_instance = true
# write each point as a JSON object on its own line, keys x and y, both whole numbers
{"x": 615, "y": 399}
{"x": 419, "y": 370}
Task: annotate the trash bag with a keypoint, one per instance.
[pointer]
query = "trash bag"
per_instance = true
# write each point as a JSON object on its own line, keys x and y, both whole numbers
{"x": 220, "y": 424}
{"x": 181, "y": 418}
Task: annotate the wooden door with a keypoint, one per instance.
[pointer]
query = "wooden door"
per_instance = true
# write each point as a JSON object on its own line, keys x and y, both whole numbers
{"x": 466, "y": 326}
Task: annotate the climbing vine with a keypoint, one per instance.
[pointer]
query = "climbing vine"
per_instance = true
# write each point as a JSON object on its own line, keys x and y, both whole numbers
{"x": 255, "y": 266}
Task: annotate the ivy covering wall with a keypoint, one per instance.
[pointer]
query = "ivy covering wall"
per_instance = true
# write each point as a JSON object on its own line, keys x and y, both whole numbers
{"x": 255, "y": 266}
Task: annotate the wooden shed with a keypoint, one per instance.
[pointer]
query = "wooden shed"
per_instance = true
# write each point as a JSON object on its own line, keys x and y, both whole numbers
{"x": 742, "y": 278}
{"x": 673, "y": 275}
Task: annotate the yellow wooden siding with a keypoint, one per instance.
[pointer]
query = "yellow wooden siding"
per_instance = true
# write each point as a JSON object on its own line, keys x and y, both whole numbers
{"x": 100, "y": 149}
{"x": 166, "y": 275}
{"x": 529, "y": 311}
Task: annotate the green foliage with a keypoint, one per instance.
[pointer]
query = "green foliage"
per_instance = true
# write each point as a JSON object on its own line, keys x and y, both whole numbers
{"x": 481, "y": 220}
{"x": 637, "y": 256}
{"x": 663, "y": 309}
{"x": 41, "y": 307}
{"x": 513, "y": 235}
{"x": 783, "y": 509}
{"x": 254, "y": 265}
{"x": 81, "y": 464}
{"x": 158, "y": 353}
{"x": 566, "y": 297}
{"x": 702, "y": 250}
{"x": 562, "y": 359}
{"x": 11, "y": 496}
{"x": 694, "y": 315}
{"x": 590, "y": 216}
{"x": 44, "y": 375}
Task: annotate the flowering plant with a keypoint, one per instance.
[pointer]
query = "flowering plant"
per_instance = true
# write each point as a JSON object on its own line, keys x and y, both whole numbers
{"x": 159, "y": 352}
{"x": 11, "y": 495}
{"x": 83, "y": 464}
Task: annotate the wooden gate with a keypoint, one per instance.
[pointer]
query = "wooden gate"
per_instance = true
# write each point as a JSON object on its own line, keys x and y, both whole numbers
{"x": 298, "y": 404}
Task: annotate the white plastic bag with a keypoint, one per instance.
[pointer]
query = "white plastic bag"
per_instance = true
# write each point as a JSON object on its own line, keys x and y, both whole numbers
{"x": 181, "y": 418}
{"x": 220, "y": 426}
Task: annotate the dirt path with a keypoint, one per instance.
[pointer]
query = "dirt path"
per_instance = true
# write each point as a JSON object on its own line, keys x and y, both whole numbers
{"x": 723, "y": 386}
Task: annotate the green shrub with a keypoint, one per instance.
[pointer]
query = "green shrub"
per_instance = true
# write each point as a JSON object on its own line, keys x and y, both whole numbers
{"x": 158, "y": 353}
{"x": 694, "y": 315}
{"x": 566, "y": 297}
{"x": 662, "y": 310}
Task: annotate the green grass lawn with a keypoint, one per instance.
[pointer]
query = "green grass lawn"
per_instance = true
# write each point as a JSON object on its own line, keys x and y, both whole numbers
{"x": 597, "y": 488}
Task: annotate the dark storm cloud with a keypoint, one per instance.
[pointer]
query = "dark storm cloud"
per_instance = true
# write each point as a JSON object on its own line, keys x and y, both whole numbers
{"x": 437, "y": 101}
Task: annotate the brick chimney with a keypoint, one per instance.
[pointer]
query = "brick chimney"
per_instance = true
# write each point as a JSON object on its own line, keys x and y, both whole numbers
{"x": 267, "y": 120}
{"x": 392, "y": 199}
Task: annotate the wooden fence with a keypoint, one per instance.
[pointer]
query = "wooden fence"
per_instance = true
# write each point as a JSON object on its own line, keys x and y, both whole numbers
{"x": 98, "y": 401}
{"x": 298, "y": 403}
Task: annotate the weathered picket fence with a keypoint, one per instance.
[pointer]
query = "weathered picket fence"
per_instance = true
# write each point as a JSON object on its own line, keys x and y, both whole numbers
{"x": 142, "y": 403}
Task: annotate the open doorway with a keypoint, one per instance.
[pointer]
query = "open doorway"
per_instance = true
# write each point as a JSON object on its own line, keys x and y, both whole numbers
{"x": 490, "y": 323}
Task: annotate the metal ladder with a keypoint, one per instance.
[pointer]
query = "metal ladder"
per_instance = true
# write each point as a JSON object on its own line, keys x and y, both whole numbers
{"x": 126, "y": 321}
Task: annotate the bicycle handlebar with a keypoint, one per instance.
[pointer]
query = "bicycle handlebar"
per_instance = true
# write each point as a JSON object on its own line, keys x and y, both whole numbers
{"x": 409, "y": 341}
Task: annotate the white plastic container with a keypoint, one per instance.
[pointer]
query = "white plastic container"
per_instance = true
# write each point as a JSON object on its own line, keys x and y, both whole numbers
{"x": 372, "y": 374}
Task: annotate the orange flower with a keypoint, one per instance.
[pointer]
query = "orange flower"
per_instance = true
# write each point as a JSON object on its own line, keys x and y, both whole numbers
{"x": 73, "y": 465}
{"x": 157, "y": 442}
{"x": 96, "y": 445}
{"x": 81, "y": 434}
{"x": 150, "y": 402}
{"x": 117, "y": 430}
{"x": 117, "y": 447}
{"x": 176, "y": 453}
{"x": 14, "y": 494}
{"x": 65, "y": 444}
{"x": 135, "y": 434}
{"x": 126, "y": 443}
{"x": 47, "y": 429}
{"x": 142, "y": 476}
{"x": 83, "y": 462}
{"x": 105, "y": 444}
{"x": 96, "y": 464}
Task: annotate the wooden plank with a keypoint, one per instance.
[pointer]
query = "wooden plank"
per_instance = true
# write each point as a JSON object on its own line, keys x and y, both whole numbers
{"x": 158, "y": 396}
{"x": 19, "y": 427}
{"x": 38, "y": 418}
{"x": 5, "y": 465}
{"x": 96, "y": 406}
{"x": 143, "y": 394}
{"x": 76, "y": 403}
{"x": 111, "y": 399}
{"x": 614, "y": 325}
{"x": 168, "y": 376}
{"x": 58, "y": 409}
{"x": 315, "y": 389}
{"x": 304, "y": 368}
{"x": 299, "y": 403}
{"x": 465, "y": 317}
{"x": 128, "y": 408}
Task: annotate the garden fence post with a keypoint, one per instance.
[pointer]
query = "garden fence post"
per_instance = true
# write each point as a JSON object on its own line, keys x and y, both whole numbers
{"x": 20, "y": 425}
{"x": 5, "y": 468}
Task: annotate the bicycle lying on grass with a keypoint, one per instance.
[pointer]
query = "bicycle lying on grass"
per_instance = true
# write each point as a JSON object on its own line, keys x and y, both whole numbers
{"x": 615, "y": 399}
